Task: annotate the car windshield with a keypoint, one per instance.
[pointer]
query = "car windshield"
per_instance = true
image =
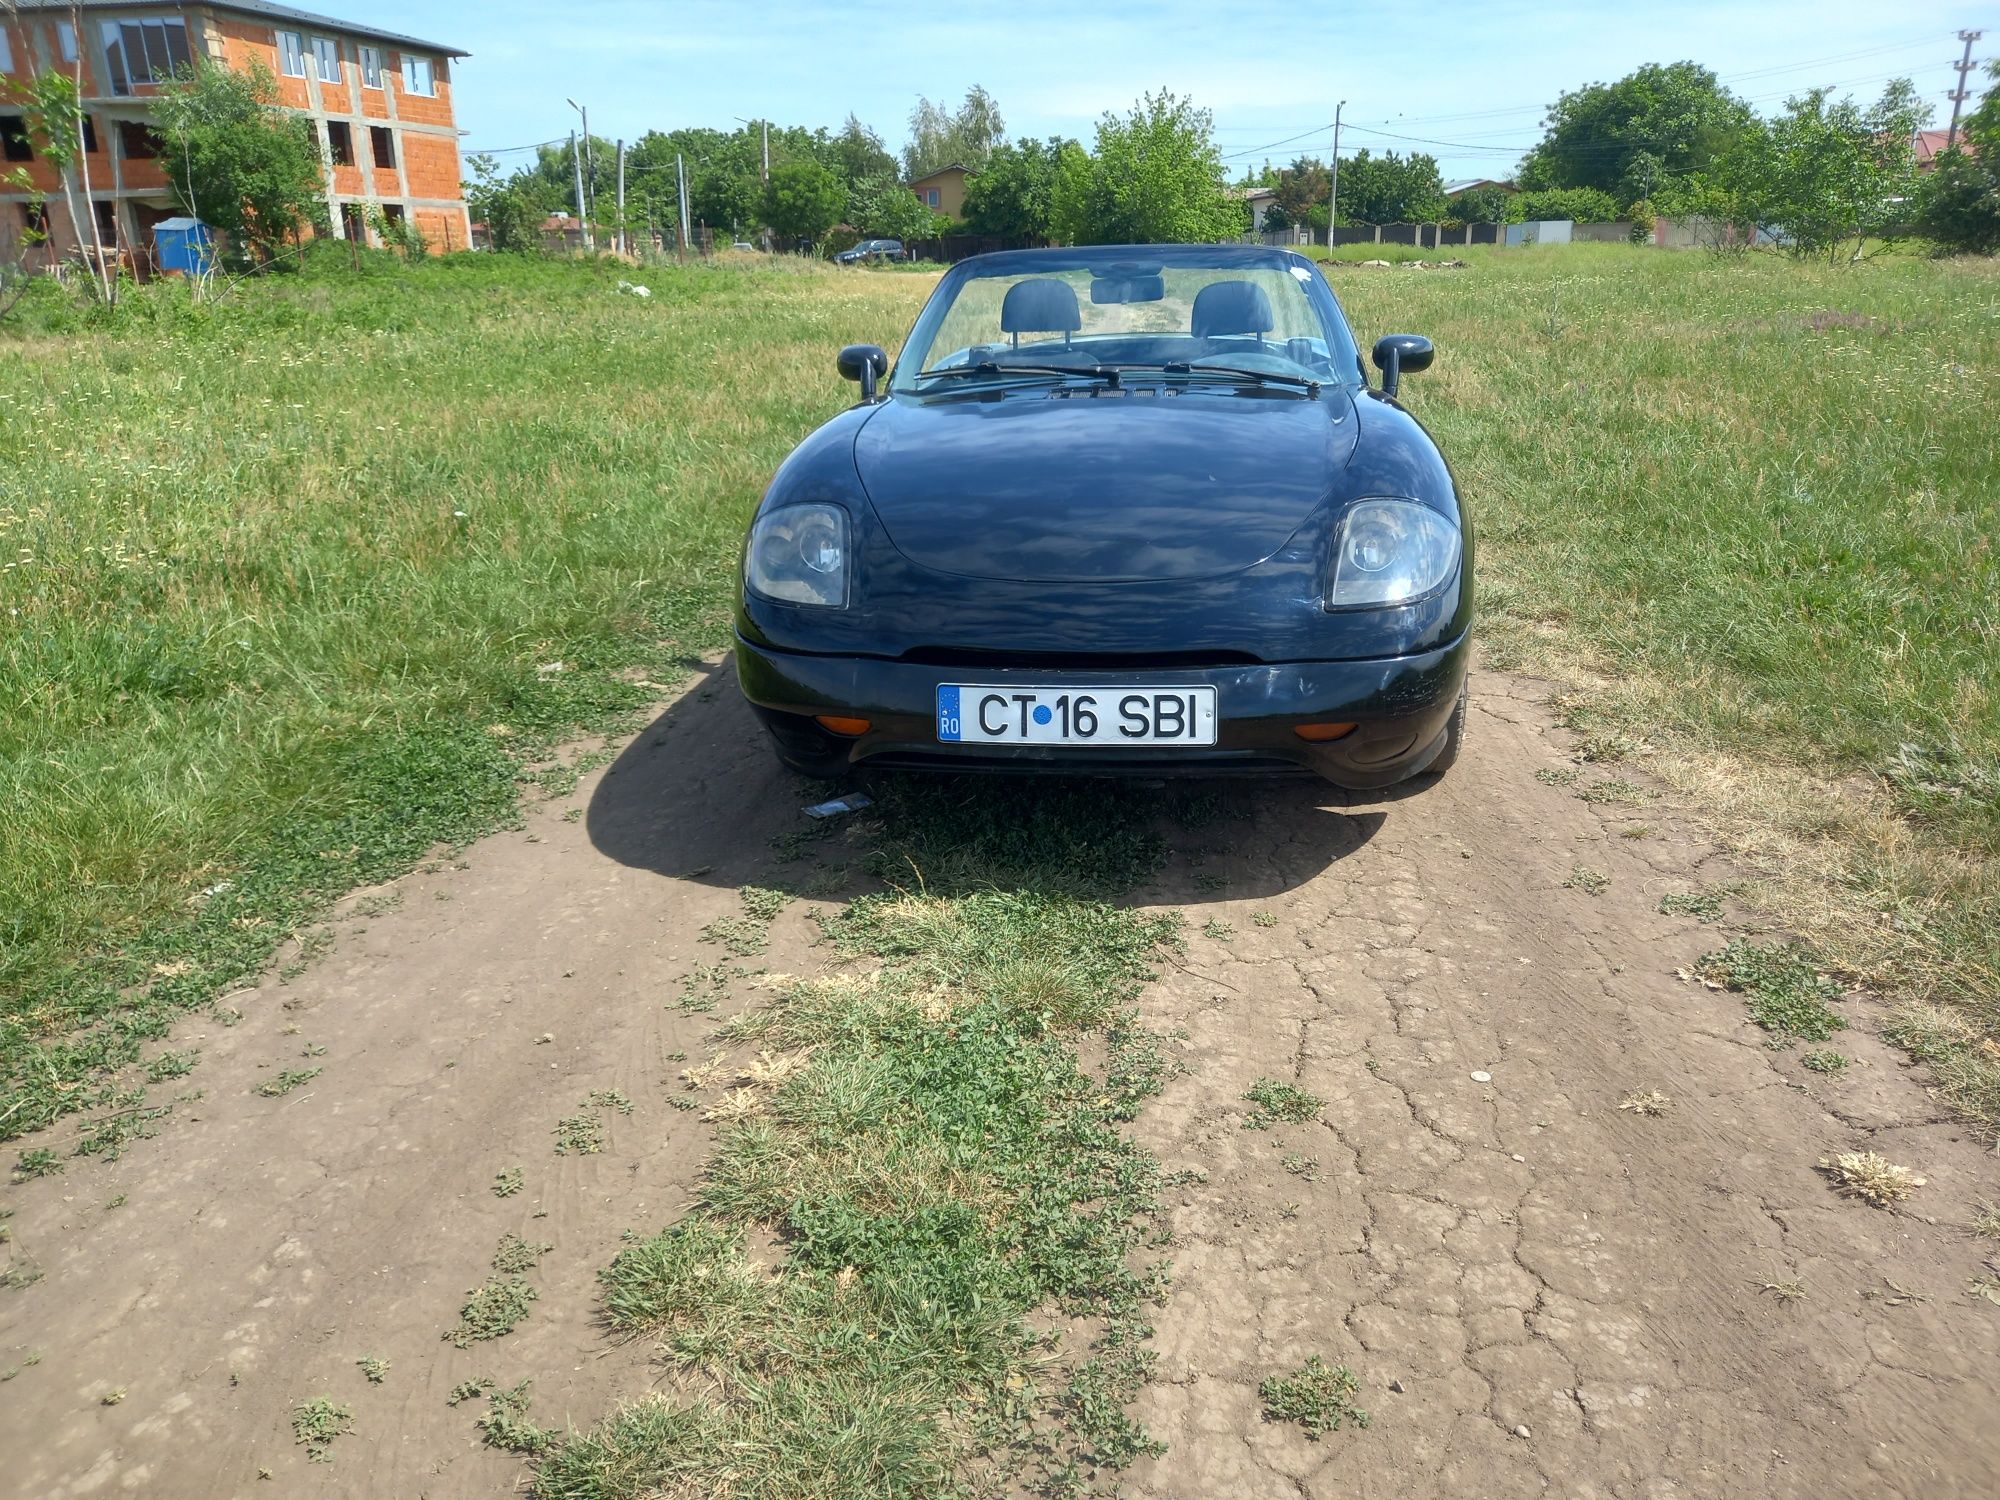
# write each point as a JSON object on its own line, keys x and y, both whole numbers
{"x": 1224, "y": 310}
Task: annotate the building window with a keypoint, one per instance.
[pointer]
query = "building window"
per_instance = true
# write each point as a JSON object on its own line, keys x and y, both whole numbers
{"x": 6, "y": 52}
{"x": 371, "y": 67}
{"x": 419, "y": 75}
{"x": 291, "y": 54}
{"x": 65, "y": 38}
{"x": 35, "y": 216}
{"x": 326, "y": 59}
{"x": 148, "y": 49}
{"x": 90, "y": 135}
{"x": 14, "y": 142}
{"x": 354, "y": 222}
{"x": 137, "y": 141}
{"x": 107, "y": 223}
{"x": 930, "y": 197}
{"x": 392, "y": 213}
{"x": 340, "y": 142}
{"x": 383, "y": 139}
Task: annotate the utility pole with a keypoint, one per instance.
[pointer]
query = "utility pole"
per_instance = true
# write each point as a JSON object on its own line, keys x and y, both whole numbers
{"x": 1958, "y": 95}
{"x": 1333, "y": 199}
{"x": 681, "y": 181}
{"x": 576, "y": 162}
{"x": 624, "y": 246}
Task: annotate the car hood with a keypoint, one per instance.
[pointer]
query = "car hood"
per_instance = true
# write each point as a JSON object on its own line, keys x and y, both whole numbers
{"x": 1083, "y": 485}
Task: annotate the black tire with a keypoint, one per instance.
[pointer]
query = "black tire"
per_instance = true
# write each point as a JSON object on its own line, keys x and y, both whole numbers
{"x": 807, "y": 749}
{"x": 1454, "y": 736}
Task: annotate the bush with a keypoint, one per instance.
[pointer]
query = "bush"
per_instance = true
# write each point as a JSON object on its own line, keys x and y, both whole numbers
{"x": 1584, "y": 205}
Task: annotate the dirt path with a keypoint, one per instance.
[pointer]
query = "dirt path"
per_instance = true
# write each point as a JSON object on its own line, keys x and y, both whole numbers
{"x": 1513, "y": 1253}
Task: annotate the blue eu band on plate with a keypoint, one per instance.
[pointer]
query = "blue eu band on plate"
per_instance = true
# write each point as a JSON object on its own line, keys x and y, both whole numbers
{"x": 1099, "y": 715}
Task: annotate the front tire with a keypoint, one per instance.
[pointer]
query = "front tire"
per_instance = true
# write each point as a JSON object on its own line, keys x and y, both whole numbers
{"x": 1454, "y": 735}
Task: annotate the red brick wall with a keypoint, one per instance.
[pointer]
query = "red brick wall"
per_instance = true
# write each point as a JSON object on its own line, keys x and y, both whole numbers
{"x": 430, "y": 165}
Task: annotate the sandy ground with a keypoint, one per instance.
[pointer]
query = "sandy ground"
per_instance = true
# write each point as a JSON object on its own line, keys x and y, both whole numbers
{"x": 1488, "y": 1256}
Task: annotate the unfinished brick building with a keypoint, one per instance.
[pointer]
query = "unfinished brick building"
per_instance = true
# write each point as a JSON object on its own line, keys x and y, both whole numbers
{"x": 380, "y": 103}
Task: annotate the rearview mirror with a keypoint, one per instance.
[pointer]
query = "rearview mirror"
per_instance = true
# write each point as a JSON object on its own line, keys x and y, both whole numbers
{"x": 865, "y": 363}
{"x": 1399, "y": 354}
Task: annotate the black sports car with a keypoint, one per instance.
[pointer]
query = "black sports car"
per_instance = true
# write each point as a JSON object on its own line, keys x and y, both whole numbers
{"x": 1121, "y": 509}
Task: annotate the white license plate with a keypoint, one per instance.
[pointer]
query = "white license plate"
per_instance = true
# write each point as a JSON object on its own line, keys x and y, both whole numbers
{"x": 975, "y": 715}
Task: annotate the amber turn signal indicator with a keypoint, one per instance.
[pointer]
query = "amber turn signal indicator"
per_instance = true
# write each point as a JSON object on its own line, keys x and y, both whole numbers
{"x": 835, "y": 724}
{"x": 1320, "y": 733}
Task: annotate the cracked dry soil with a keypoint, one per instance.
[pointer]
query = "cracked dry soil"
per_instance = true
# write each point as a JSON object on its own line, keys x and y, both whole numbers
{"x": 1487, "y": 1257}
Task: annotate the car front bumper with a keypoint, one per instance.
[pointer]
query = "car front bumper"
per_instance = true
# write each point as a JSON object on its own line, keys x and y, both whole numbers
{"x": 1400, "y": 705}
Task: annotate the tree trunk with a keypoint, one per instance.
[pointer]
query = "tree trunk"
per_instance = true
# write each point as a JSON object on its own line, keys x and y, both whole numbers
{"x": 105, "y": 275}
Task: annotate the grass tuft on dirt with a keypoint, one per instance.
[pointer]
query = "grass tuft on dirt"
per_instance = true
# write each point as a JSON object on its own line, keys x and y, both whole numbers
{"x": 1871, "y": 1177}
{"x": 1279, "y": 1104}
{"x": 1318, "y": 1396}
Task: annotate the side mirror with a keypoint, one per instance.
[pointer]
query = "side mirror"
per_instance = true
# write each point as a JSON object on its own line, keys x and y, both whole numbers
{"x": 867, "y": 364}
{"x": 1400, "y": 354}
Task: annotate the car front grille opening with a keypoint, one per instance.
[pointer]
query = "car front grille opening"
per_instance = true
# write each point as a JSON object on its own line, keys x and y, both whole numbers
{"x": 1077, "y": 661}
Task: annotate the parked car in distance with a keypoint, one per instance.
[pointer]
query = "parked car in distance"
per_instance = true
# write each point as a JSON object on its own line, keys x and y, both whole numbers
{"x": 870, "y": 250}
{"x": 1126, "y": 510}
{"x": 742, "y": 245}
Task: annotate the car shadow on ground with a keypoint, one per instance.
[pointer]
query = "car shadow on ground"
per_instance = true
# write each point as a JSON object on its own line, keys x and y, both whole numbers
{"x": 697, "y": 795}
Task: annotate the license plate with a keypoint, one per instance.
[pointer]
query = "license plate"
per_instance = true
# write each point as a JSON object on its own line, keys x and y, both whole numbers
{"x": 975, "y": 715}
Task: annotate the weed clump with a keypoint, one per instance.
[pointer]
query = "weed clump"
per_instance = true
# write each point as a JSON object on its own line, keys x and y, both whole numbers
{"x": 1280, "y": 1103}
{"x": 1871, "y": 1177}
{"x": 1785, "y": 991}
{"x": 1317, "y": 1396}
{"x": 316, "y": 1423}
{"x": 493, "y": 1309}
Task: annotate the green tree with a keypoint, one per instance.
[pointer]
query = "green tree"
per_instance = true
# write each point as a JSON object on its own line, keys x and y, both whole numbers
{"x": 1391, "y": 189}
{"x": 859, "y": 155}
{"x": 804, "y": 199}
{"x": 1489, "y": 204}
{"x": 1015, "y": 195}
{"x": 1959, "y": 203}
{"x": 1825, "y": 173}
{"x": 1658, "y": 124}
{"x": 1302, "y": 190}
{"x": 237, "y": 161}
{"x": 1155, "y": 177}
{"x": 941, "y": 137}
{"x": 54, "y": 113}
{"x": 884, "y": 207}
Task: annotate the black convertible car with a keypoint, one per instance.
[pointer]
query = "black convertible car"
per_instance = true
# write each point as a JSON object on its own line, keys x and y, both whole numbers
{"x": 1121, "y": 509}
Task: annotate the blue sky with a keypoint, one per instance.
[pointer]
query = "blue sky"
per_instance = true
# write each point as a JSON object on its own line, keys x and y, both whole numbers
{"x": 1472, "y": 75}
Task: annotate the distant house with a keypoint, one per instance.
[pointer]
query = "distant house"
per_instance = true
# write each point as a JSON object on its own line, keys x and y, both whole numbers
{"x": 1453, "y": 189}
{"x": 1930, "y": 146}
{"x": 943, "y": 191}
{"x": 1258, "y": 200}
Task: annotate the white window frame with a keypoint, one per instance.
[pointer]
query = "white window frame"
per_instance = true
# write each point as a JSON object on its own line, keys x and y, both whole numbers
{"x": 322, "y": 48}
{"x": 65, "y": 40}
{"x": 291, "y": 55}
{"x": 371, "y": 67}
{"x": 121, "y": 65}
{"x": 411, "y": 62}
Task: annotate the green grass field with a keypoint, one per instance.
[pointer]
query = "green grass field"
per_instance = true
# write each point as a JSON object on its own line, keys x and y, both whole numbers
{"x": 301, "y": 585}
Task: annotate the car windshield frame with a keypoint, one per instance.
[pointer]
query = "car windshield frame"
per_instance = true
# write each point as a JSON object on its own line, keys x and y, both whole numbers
{"x": 1113, "y": 262}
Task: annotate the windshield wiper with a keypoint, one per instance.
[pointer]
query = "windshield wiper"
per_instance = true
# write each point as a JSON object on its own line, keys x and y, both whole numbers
{"x": 992, "y": 367}
{"x": 1239, "y": 372}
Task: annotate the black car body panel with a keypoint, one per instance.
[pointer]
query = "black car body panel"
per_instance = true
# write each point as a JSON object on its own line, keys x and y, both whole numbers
{"x": 1102, "y": 536}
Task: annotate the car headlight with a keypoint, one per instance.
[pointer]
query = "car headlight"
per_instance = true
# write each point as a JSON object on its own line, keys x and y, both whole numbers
{"x": 1391, "y": 551}
{"x": 799, "y": 553}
